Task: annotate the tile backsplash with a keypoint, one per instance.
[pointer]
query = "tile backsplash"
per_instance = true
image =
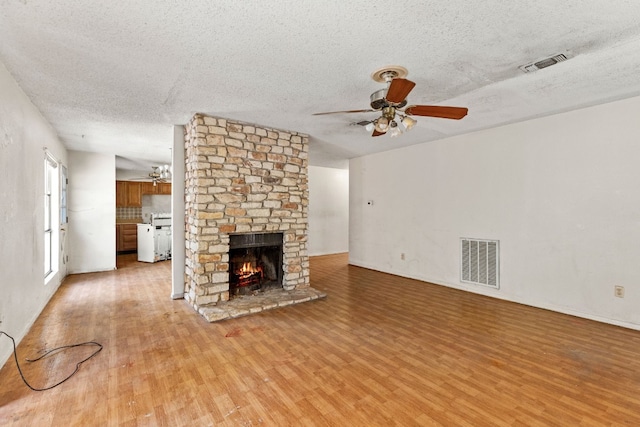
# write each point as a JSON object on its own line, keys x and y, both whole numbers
{"x": 150, "y": 204}
{"x": 128, "y": 213}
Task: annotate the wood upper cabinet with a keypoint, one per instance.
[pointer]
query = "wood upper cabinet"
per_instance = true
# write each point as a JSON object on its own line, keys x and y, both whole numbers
{"x": 121, "y": 194}
{"x": 129, "y": 193}
{"x": 134, "y": 194}
{"x": 164, "y": 188}
{"x": 149, "y": 188}
{"x": 159, "y": 188}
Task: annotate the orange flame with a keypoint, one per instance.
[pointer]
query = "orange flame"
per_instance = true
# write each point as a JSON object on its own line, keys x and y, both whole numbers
{"x": 248, "y": 269}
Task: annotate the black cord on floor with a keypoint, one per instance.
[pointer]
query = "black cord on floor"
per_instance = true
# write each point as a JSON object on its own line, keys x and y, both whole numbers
{"x": 15, "y": 356}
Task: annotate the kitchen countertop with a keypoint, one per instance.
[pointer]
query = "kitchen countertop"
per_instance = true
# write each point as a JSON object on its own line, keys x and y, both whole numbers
{"x": 128, "y": 220}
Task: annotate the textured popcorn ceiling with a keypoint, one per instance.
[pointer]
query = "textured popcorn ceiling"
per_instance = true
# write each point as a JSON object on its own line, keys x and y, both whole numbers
{"x": 114, "y": 76}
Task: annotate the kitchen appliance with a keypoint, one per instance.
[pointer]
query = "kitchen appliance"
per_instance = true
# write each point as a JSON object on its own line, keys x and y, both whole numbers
{"x": 154, "y": 239}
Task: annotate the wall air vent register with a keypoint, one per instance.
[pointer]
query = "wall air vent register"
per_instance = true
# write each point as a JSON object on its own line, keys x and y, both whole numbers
{"x": 479, "y": 262}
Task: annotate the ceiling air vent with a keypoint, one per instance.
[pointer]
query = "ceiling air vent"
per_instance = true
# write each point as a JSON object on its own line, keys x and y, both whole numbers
{"x": 544, "y": 63}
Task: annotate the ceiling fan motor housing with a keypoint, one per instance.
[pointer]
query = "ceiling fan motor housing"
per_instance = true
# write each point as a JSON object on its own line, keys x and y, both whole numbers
{"x": 379, "y": 101}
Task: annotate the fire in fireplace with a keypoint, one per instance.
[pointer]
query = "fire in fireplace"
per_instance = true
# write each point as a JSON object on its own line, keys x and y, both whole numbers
{"x": 255, "y": 262}
{"x": 249, "y": 274}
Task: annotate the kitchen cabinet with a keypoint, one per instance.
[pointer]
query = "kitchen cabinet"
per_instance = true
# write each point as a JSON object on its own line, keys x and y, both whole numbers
{"x": 149, "y": 188}
{"x": 164, "y": 188}
{"x": 121, "y": 194}
{"x": 129, "y": 193}
{"x": 159, "y": 188}
{"x": 126, "y": 237}
{"x": 134, "y": 194}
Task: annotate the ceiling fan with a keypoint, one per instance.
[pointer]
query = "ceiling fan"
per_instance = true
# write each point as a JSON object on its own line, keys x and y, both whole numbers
{"x": 158, "y": 174}
{"x": 391, "y": 102}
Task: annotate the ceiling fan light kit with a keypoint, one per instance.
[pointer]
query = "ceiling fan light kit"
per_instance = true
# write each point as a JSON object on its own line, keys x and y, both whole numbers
{"x": 408, "y": 122}
{"x": 395, "y": 130}
{"x": 382, "y": 124}
{"x": 158, "y": 174}
{"x": 391, "y": 100}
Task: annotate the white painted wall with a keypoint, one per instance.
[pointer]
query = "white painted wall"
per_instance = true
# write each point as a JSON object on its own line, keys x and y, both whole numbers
{"x": 178, "y": 241}
{"x": 132, "y": 175}
{"x": 560, "y": 193}
{"x": 92, "y": 212}
{"x": 328, "y": 210}
{"x": 23, "y": 135}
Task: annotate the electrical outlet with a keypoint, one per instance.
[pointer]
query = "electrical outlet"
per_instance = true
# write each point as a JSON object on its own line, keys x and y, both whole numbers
{"x": 402, "y": 256}
{"x": 618, "y": 291}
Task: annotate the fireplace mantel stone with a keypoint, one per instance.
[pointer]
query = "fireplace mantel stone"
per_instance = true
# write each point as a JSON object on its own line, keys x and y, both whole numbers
{"x": 242, "y": 178}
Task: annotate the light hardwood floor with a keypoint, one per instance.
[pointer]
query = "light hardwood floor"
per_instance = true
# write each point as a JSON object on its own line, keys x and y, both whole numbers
{"x": 380, "y": 350}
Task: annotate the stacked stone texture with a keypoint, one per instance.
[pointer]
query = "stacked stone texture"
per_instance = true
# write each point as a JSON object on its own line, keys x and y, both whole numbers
{"x": 242, "y": 178}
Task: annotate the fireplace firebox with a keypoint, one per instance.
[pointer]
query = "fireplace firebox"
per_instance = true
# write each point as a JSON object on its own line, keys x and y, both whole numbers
{"x": 255, "y": 262}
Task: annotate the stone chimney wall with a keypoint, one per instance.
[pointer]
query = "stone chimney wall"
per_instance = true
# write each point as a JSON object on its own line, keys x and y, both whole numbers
{"x": 242, "y": 178}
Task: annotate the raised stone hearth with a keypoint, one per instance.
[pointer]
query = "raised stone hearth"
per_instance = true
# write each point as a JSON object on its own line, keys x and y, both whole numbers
{"x": 243, "y": 179}
{"x": 262, "y": 301}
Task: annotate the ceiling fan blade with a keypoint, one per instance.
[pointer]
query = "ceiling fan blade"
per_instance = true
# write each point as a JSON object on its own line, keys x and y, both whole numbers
{"x": 455, "y": 113}
{"x": 346, "y": 111}
{"x": 376, "y": 133}
{"x": 398, "y": 90}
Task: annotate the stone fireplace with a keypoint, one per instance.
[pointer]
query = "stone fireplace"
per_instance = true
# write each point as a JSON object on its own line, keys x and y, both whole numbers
{"x": 246, "y": 187}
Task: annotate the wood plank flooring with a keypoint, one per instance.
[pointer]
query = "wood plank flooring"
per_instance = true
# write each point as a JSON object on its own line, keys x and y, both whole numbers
{"x": 380, "y": 350}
